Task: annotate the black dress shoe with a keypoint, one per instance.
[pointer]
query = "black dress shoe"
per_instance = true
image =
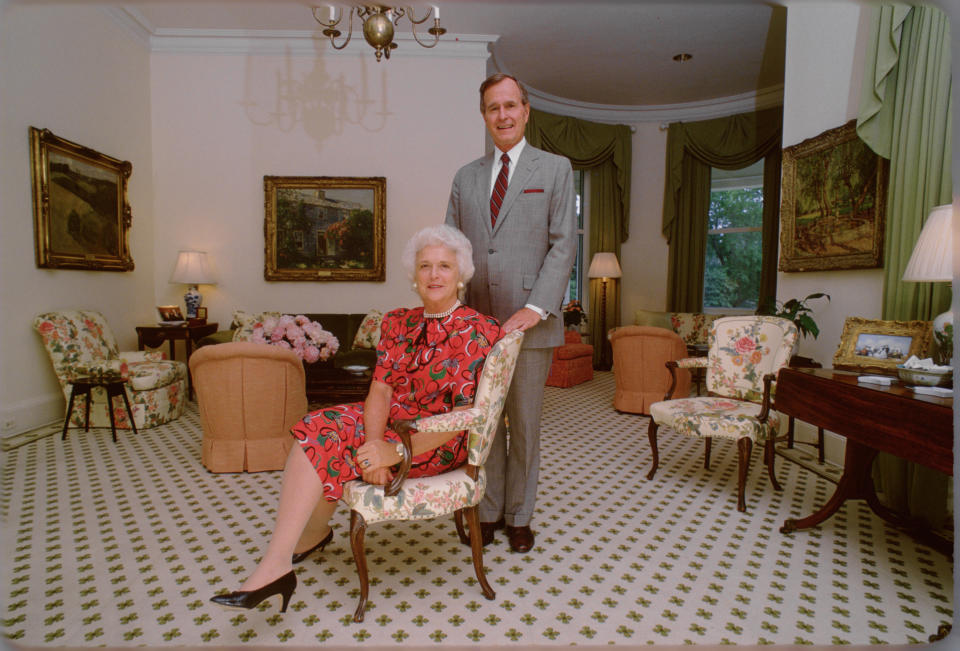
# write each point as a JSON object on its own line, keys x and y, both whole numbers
{"x": 284, "y": 586}
{"x": 302, "y": 556}
{"x": 520, "y": 538}
{"x": 487, "y": 530}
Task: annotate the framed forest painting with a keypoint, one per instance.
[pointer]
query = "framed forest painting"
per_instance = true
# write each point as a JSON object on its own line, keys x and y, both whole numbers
{"x": 833, "y": 205}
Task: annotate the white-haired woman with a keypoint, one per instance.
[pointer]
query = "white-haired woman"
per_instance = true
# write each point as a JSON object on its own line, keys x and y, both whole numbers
{"x": 428, "y": 362}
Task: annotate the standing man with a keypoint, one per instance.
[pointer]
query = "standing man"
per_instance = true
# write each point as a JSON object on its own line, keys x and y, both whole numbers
{"x": 517, "y": 209}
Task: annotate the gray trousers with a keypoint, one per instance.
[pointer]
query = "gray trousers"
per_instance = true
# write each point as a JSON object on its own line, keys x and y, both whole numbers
{"x": 513, "y": 466}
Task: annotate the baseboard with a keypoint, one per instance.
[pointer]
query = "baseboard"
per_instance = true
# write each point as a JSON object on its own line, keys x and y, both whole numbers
{"x": 28, "y": 415}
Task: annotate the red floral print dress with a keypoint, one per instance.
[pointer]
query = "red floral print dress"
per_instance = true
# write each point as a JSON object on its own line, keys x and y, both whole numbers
{"x": 432, "y": 365}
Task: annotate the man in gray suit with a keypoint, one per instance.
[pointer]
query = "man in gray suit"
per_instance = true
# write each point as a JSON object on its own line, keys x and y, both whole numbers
{"x": 517, "y": 209}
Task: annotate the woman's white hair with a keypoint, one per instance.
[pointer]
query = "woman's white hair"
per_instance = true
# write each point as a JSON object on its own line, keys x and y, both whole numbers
{"x": 441, "y": 235}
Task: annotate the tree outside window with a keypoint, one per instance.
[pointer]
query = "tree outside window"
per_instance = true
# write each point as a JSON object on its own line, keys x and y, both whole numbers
{"x": 734, "y": 251}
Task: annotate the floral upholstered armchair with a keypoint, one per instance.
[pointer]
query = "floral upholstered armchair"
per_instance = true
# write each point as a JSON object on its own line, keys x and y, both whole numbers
{"x": 80, "y": 343}
{"x": 746, "y": 352}
{"x": 458, "y": 491}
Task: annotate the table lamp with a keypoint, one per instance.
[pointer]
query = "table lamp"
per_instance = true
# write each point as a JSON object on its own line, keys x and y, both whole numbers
{"x": 192, "y": 269}
{"x": 932, "y": 261}
{"x": 604, "y": 266}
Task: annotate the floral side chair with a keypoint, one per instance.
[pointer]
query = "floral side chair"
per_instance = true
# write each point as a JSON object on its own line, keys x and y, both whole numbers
{"x": 458, "y": 491}
{"x": 746, "y": 352}
{"x": 80, "y": 343}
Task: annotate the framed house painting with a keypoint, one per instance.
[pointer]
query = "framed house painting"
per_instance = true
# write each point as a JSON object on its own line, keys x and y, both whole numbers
{"x": 325, "y": 228}
{"x": 833, "y": 203}
{"x": 875, "y": 346}
{"x": 81, "y": 216}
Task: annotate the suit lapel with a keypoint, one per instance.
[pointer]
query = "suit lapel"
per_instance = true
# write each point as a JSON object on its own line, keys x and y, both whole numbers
{"x": 483, "y": 190}
{"x": 525, "y": 168}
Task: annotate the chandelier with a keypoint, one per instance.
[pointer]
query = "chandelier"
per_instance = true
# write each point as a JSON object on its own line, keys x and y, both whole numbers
{"x": 378, "y": 26}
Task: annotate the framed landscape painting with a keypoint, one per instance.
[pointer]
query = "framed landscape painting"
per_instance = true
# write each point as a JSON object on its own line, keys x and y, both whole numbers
{"x": 81, "y": 216}
{"x": 833, "y": 204}
{"x": 325, "y": 228}
{"x": 876, "y": 346}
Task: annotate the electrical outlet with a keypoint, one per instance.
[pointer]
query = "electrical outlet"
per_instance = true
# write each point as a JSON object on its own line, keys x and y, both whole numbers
{"x": 9, "y": 424}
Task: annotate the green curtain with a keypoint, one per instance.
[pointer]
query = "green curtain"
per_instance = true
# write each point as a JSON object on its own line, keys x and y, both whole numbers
{"x": 906, "y": 115}
{"x": 692, "y": 149}
{"x": 605, "y": 150}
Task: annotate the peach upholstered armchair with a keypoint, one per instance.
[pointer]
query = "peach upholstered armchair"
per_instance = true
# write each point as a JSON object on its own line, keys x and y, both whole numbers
{"x": 640, "y": 356}
{"x": 249, "y": 396}
{"x": 80, "y": 343}
{"x": 458, "y": 491}
{"x": 746, "y": 352}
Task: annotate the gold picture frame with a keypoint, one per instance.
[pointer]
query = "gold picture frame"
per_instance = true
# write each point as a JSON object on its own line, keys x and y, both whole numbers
{"x": 876, "y": 346}
{"x": 81, "y": 215}
{"x": 325, "y": 228}
{"x": 833, "y": 203}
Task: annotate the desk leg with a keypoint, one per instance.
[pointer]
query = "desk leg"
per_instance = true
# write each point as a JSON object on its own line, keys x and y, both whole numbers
{"x": 855, "y": 483}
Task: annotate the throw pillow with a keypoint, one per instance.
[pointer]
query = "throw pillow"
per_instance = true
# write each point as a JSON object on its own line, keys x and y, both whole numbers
{"x": 368, "y": 334}
{"x": 243, "y": 323}
{"x": 650, "y": 318}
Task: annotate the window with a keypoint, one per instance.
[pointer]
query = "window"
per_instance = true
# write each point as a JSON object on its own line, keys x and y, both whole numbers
{"x": 575, "y": 290}
{"x": 734, "y": 251}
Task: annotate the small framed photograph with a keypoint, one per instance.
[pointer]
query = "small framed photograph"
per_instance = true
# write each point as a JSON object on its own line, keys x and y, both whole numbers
{"x": 875, "y": 346}
{"x": 202, "y": 314}
{"x": 170, "y": 313}
{"x": 81, "y": 215}
{"x": 325, "y": 228}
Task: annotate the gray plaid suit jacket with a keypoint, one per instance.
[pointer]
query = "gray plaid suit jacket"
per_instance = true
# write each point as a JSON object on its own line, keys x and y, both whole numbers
{"x": 527, "y": 256}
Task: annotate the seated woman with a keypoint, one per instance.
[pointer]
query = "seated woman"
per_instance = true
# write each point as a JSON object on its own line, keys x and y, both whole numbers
{"x": 428, "y": 362}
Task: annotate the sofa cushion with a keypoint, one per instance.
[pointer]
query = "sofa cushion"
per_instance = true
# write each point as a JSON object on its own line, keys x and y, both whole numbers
{"x": 654, "y": 319}
{"x": 368, "y": 334}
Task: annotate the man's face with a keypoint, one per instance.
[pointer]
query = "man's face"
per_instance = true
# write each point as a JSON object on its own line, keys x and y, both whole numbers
{"x": 505, "y": 114}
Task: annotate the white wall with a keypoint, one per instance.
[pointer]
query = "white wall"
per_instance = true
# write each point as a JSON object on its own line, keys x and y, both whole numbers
{"x": 222, "y": 122}
{"x": 86, "y": 81}
{"x": 643, "y": 256}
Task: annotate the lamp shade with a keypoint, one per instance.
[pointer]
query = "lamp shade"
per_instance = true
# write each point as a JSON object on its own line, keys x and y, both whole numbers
{"x": 604, "y": 265}
{"x": 932, "y": 258}
{"x": 192, "y": 268}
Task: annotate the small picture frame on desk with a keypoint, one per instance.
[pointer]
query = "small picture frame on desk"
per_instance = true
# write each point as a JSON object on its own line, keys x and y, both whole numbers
{"x": 877, "y": 346}
{"x": 170, "y": 315}
{"x": 201, "y": 318}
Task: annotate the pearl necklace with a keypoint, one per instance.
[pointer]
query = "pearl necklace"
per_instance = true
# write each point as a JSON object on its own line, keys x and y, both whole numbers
{"x": 441, "y": 315}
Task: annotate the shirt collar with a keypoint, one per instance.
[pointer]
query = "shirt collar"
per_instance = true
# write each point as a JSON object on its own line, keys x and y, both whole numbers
{"x": 514, "y": 152}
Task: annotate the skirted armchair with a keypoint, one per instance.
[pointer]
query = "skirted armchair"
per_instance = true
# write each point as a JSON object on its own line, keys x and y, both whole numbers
{"x": 572, "y": 362}
{"x": 249, "y": 396}
{"x": 80, "y": 343}
{"x": 640, "y": 355}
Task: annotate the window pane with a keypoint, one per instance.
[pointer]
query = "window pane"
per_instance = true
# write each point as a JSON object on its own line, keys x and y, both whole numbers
{"x": 731, "y": 277}
{"x": 575, "y": 290}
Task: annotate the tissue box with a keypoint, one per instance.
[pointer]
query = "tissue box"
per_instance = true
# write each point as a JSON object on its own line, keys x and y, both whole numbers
{"x": 927, "y": 377}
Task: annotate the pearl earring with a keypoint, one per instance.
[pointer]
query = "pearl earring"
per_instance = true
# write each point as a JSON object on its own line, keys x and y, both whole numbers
{"x": 459, "y": 284}
{"x": 414, "y": 286}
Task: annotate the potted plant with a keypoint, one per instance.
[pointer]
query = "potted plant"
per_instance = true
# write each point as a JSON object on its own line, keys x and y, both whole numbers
{"x": 573, "y": 315}
{"x": 796, "y": 310}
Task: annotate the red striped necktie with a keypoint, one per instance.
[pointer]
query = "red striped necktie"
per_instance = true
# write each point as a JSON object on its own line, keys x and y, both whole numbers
{"x": 499, "y": 189}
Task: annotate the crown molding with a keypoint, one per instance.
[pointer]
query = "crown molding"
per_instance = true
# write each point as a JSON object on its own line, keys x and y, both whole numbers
{"x": 281, "y": 42}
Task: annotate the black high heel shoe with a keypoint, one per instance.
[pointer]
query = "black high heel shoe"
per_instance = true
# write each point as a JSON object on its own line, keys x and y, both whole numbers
{"x": 284, "y": 586}
{"x": 302, "y": 556}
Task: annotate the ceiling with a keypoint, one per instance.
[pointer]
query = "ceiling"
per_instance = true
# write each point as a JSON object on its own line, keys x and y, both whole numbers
{"x": 600, "y": 52}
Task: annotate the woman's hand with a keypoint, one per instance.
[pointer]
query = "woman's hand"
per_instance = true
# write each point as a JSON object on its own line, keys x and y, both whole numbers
{"x": 378, "y": 476}
{"x": 374, "y": 455}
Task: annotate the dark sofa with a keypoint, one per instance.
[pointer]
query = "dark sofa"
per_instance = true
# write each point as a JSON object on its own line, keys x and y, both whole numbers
{"x": 327, "y": 381}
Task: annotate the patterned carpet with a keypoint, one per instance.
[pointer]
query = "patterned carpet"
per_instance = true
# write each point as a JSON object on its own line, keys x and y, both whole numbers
{"x": 122, "y": 545}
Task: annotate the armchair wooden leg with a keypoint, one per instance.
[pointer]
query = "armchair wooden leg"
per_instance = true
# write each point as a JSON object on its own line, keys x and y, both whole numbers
{"x": 769, "y": 453}
{"x": 357, "y": 528}
{"x": 652, "y": 435}
{"x": 476, "y": 548}
{"x": 745, "y": 446}
{"x": 708, "y": 446}
{"x": 458, "y": 520}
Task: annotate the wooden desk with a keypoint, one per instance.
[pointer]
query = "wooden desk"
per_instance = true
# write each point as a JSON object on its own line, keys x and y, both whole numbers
{"x": 873, "y": 418}
{"x": 154, "y": 336}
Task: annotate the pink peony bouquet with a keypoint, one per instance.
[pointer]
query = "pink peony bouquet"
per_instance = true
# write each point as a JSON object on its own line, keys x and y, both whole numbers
{"x": 304, "y": 337}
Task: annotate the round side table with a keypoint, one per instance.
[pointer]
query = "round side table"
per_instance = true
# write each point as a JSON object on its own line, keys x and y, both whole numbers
{"x": 114, "y": 386}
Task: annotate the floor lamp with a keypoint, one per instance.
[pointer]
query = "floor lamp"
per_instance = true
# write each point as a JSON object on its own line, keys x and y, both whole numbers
{"x": 604, "y": 266}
